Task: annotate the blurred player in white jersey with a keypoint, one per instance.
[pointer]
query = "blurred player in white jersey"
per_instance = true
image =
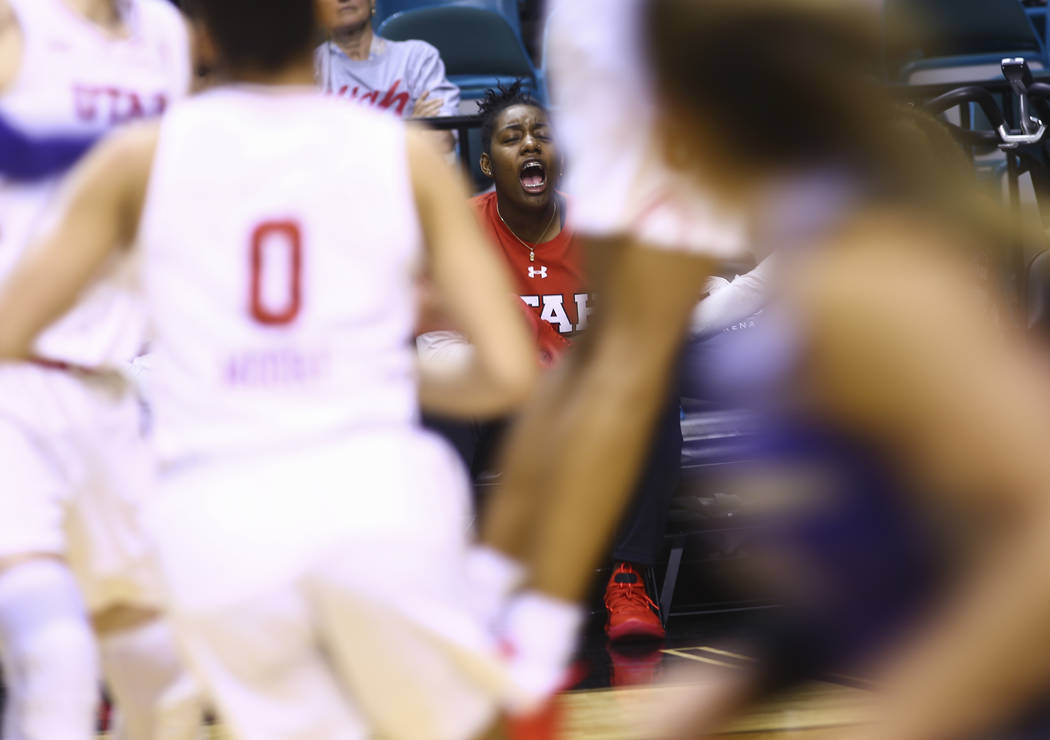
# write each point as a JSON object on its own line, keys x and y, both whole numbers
{"x": 74, "y": 465}
{"x": 311, "y": 535}
{"x": 654, "y": 239}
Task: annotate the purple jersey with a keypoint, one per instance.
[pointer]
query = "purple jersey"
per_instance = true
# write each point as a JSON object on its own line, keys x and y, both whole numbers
{"x": 395, "y": 75}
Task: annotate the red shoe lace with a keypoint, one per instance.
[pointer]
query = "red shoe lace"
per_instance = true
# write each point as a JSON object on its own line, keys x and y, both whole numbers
{"x": 630, "y": 592}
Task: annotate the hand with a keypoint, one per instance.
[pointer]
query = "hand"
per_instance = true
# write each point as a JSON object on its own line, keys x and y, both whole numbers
{"x": 425, "y": 107}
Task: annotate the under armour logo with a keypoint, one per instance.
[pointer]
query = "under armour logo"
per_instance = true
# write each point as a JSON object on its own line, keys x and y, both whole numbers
{"x": 542, "y": 272}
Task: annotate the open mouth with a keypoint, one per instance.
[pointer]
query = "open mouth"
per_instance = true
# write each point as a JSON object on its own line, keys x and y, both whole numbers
{"x": 533, "y": 176}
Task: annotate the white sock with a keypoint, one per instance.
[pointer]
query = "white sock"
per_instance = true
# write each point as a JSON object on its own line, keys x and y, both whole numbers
{"x": 542, "y": 632}
{"x": 155, "y": 696}
{"x": 49, "y": 657}
{"x": 493, "y": 577}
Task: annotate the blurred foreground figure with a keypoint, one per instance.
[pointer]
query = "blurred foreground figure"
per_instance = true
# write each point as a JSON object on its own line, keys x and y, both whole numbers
{"x": 311, "y": 604}
{"x": 899, "y": 485}
{"x": 75, "y": 467}
{"x": 575, "y": 455}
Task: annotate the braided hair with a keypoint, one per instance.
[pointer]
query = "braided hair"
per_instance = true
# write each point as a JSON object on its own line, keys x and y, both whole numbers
{"x": 496, "y": 101}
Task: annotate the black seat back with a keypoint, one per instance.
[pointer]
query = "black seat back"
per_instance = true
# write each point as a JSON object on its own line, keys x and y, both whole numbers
{"x": 960, "y": 29}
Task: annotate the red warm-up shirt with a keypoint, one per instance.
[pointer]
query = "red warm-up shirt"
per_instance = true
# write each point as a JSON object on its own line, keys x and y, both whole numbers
{"x": 553, "y": 286}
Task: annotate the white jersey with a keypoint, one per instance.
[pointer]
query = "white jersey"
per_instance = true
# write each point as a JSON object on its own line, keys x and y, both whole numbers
{"x": 605, "y": 114}
{"x": 279, "y": 243}
{"x": 74, "y": 80}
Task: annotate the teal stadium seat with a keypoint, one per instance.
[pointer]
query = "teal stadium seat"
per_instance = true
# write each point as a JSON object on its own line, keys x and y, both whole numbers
{"x": 509, "y": 9}
{"x": 480, "y": 49}
{"x": 970, "y": 40}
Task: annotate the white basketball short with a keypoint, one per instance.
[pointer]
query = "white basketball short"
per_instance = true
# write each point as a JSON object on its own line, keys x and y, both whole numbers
{"x": 74, "y": 471}
{"x": 321, "y": 593}
{"x": 605, "y": 119}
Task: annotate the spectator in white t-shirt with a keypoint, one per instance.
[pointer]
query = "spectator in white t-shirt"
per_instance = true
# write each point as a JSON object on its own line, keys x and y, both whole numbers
{"x": 406, "y": 78}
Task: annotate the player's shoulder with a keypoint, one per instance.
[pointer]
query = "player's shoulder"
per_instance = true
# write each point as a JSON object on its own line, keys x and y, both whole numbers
{"x": 122, "y": 161}
{"x": 160, "y": 12}
{"x": 481, "y": 201}
{"x": 487, "y": 213}
{"x": 162, "y": 22}
{"x": 133, "y": 141}
{"x": 484, "y": 207}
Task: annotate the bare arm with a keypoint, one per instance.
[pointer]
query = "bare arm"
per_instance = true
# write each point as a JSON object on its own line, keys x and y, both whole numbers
{"x": 98, "y": 213}
{"x": 10, "y": 45}
{"x": 906, "y": 350}
{"x": 475, "y": 288}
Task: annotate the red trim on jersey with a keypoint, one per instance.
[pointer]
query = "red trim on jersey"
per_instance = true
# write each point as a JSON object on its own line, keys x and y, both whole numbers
{"x": 67, "y": 367}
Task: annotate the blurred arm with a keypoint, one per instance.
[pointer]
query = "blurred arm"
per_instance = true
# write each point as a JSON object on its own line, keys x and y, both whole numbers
{"x": 906, "y": 349}
{"x": 474, "y": 287}
{"x": 10, "y": 45}
{"x": 98, "y": 212}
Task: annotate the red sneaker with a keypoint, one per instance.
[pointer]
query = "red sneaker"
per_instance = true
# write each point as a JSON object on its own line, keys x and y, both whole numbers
{"x": 632, "y": 614}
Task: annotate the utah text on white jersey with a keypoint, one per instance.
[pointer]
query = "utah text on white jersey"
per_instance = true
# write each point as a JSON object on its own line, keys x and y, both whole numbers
{"x": 76, "y": 79}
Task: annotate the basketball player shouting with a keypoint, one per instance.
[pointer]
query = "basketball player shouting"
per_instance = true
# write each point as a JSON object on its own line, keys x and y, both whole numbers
{"x": 531, "y": 224}
{"x": 74, "y": 466}
{"x": 284, "y": 360}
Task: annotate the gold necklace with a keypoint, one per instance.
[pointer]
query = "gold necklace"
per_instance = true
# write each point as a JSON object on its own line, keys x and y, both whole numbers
{"x": 530, "y": 247}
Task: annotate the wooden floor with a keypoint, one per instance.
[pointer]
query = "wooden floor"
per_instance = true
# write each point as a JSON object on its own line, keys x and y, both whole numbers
{"x": 816, "y": 712}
